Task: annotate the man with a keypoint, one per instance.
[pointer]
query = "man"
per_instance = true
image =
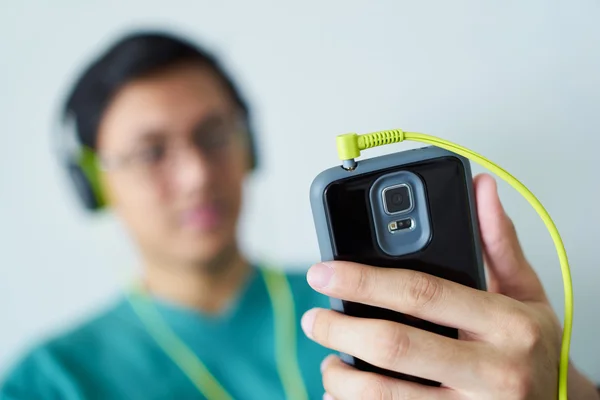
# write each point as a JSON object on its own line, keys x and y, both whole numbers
{"x": 172, "y": 135}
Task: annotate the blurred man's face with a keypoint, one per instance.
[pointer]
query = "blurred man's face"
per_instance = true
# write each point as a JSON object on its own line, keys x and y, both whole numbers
{"x": 176, "y": 154}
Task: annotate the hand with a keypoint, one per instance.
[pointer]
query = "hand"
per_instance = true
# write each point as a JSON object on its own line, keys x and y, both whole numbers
{"x": 509, "y": 337}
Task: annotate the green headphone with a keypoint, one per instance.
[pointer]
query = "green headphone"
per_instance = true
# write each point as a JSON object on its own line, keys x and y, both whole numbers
{"x": 81, "y": 163}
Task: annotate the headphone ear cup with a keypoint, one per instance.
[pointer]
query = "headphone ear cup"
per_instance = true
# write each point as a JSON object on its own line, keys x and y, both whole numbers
{"x": 83, "y": 187}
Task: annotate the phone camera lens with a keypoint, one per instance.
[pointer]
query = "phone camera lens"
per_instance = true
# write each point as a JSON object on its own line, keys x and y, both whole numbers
{"x": 397, "y": 199}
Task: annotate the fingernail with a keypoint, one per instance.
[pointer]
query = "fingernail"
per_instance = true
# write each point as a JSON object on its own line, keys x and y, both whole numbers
{"x": 319, "y": 276}
{"x": 326, "y": 362}
{"x": 327, "y": 396}
{"x": 307, "y": 322}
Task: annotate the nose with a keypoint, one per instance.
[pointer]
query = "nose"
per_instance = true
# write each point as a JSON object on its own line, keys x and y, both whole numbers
{"x": 193, "y": 171}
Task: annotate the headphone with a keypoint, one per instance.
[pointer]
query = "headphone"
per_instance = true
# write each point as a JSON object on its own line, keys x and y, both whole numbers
{"x": 84, "y": 168}
{"x": 80, "y": 162}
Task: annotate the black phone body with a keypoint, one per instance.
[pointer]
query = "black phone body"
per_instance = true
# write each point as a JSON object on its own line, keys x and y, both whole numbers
{"x": 414, "y": 210}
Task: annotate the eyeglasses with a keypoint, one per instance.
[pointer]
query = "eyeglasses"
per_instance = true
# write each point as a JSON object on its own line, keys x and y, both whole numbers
{"x": 157, "y": 157}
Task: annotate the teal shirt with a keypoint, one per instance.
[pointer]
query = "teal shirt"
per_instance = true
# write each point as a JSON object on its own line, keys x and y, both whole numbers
{"x": 113, "y": 356}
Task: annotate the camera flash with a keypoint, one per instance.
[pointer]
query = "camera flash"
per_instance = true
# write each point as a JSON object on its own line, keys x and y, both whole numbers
{"x": 406, "y": 223}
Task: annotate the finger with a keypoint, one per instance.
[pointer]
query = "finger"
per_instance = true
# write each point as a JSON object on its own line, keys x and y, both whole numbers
{"x": 418, "y": 294}
{"x": 342, "y": 381}
{"x": 510, "y": 272}
{"x": 394, "y": 346}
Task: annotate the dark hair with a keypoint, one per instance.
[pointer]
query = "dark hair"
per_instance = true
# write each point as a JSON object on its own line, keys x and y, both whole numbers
{"x": 131, "y": 57}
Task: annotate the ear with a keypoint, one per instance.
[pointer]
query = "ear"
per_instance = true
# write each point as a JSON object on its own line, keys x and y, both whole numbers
{"x": 251, "y": 161}
{"x": 251, "y": 144}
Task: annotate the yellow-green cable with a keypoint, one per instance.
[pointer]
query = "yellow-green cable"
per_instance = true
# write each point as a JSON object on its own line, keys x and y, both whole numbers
{"x": 181, "y": 355}
{"x": 284, "y": 316}
{"x": 284, "y": 313}
{"x": 349, "y": 147}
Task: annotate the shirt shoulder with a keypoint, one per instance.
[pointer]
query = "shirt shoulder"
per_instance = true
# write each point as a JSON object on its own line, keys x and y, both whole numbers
{"x": 34, "y": 376}
{"x": 56, "y": 367}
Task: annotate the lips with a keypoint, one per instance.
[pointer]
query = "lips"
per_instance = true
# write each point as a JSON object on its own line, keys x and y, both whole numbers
{"x": 203, "y": 218}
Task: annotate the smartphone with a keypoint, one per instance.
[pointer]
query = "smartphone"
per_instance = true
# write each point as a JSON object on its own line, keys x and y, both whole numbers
{"x": 414, "y": 210}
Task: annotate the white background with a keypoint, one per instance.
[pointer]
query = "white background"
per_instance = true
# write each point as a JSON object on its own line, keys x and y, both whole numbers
{"x": 518, "y": 81}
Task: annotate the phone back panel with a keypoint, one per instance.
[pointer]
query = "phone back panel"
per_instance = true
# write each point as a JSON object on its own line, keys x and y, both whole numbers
{"x": 346, "y": 228}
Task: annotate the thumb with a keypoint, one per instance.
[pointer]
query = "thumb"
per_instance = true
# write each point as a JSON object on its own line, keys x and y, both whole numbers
{"x": 509, "y": 272}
